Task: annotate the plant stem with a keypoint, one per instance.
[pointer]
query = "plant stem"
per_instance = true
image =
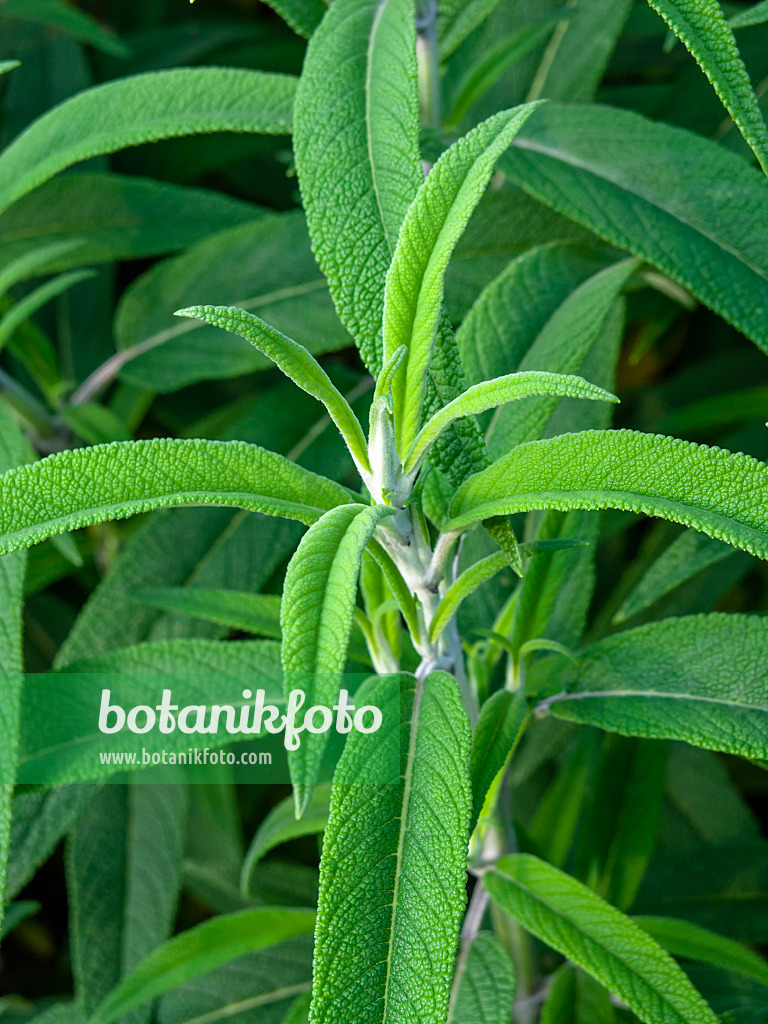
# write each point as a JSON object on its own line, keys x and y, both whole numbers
{"x": 429, "y": 62}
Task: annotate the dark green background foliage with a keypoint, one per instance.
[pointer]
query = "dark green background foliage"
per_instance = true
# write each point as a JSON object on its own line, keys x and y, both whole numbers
{"x": 607, "y": 740}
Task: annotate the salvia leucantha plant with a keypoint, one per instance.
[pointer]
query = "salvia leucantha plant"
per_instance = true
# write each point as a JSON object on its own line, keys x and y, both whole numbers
{"x": 472, "y": 476}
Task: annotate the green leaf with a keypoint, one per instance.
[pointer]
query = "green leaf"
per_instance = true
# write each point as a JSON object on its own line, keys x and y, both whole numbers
{"x": 15, "y": 913}
{"x": 357, "y": 153}
{"x": 13, "y": 451}
{"x": 701, "y": 679}
{"x": 200, "y": 949}
{"x": 714, "y": 491}
{"x": 112, "y": 481}
{"x": 295, "y": 362}
{"x": 319, "y": 596}
{"x": 466, "y": 584}
{"x": 457, "y": 18}
{"x": 302, "y": 15}
{"x": 8, "y": 65}
{"x": 96, "y": 218}
{"x": 702, "y": 27}
{"x": 392, "y": 875}
{"x": 485, "y": 989}
{"x": 144, "y": 108}
{"x": 26, "y": 307}
{"x": 499, "y": 728}
{"x": 687, "y": 555}
{"x": 493, "y": 393}
{"x": 235, "y": 609}
{"x": 757, "y": 14}
{"x": 60, "y": 16}
{"x": 692, "y": 942}
{"x": 33, "y": 262}
{"x": 658, "y": 192}
{"x": 432, "y": 227}
{"x": 598, "y": 938}
{"x": 281, "y": 825}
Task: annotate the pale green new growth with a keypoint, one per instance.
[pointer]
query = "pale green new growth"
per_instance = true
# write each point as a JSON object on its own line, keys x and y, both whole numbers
{"x": 598, "y": 938}
{"x": 296, "y": 363}
{"x": 112, "y": 481}
{"x": 717, "y": 492}
{"x": 702, "y": 27}
{"x": 319, "y": 596}
{"x": 392, "y": 877}
{"x": 144, "y": 108}
{"x": 701, "y": 678}
{"x": 492, "y": 393}
{"x": 432, "y": 227}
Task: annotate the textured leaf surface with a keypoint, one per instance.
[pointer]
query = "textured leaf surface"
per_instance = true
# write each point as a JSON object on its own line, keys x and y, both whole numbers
{"x": 144, "y": 108}
{"x": 392, "y": 876}
{"x": 702, "y": 679}
{"x": 598, "y": 938}
{"x": 486, "y": 988}
{"x": 201, "y": 949}
{"x": 432, "y": 227}
{"x": 702, "y": 27}
{"x": 683, "y": 939}
{"x": 235, "y": 609}
{"x": 714, "y": 491}
{"x": 294, "y": 361}
{"x": 497, "y": 733}
{"x": 319, "y": 596}
{"x": 666, "y": 195}
{"x": 357, "y": 153}
{"x": 112, "y": 481}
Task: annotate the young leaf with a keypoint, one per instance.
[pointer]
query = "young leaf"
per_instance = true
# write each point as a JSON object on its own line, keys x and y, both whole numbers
{"x": 432, "y": 227}
{"x": 295, "y": 362}
{"x": 466, "y": 584}
{"x": 701, "y": 679}
{"x": 144, "y": 108}
{"x": 598, "y": 938}
{"x": 656, "y": 191}
{"x": 280, "y": 826}
{"x": 492, "y": 393}
{"x": 198, "y": 950}
{"x": 683, "y": 939}
{"x": 392, "y": 875}
{"x": 93, "y": 485}
{"x": 703, "y": 29}
{"x": 714, "y": 491}
{"x": 319, "y": 597}
{"x": 485, "y": 989}
{"x": 235, "y": 609}
{"x": 498, "y": 731}
{"x": 357, "y": 152}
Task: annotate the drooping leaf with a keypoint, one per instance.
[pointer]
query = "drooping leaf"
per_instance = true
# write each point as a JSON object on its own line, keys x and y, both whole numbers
{"x": 498, "y": 731}
{"x": 701, "y": 679}
{"x": 319, "y": 596}
{"x": 392, "y": 875}
{"x": 598, "y": 938}
{"x": 281, "y": 825}
{"x": 431, "y": 228}
{"x": 485, "y": 989}
{"x": 692, "y": 942}
{"x": 714, "y": 491}
{"x": 295, "y": 362}
{"x": 200, "y": 949}
{"x": 60, "y": 16}
{"x": 235, "y": 609}
{"x": 357, "y": 153}
{"x": 657, "y": 192}
{"x": 112, "y": 481}
{"x": 702, "y": 27}
{"x": 144, "y": 108}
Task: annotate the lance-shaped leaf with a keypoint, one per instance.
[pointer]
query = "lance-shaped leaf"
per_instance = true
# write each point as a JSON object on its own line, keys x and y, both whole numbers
{"x": 60, "y": 16}
{"x": 393, "y": 871}
{"x": 112, "y": 481}
{"x": 492, "y": 393}
{"x": 8, "y": 65}
{"x": 357, "y": 152}
{"x": 144, "y": 108}
{"x": 656, "y": 191}
{"x": 12, "y": 570}
{"x": 702, "y": 27}
{"x": 318, "y": 603}
{"x": 702, "y": 679}
{"x": 296, "y": 363}
{"x": 499, "y": 729}
{"x": 570, "y": 918}
{"x": 432, "y": 227}
{"x": 691, "y": 941}
{"x": 484, "y": 986}
{"x": 26, "y": 307}
{"x": 200, "y": 949}
{"x": 234, "y": 609}
{"x": 714, "y": 491}
{"x": 754, "y": 15}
